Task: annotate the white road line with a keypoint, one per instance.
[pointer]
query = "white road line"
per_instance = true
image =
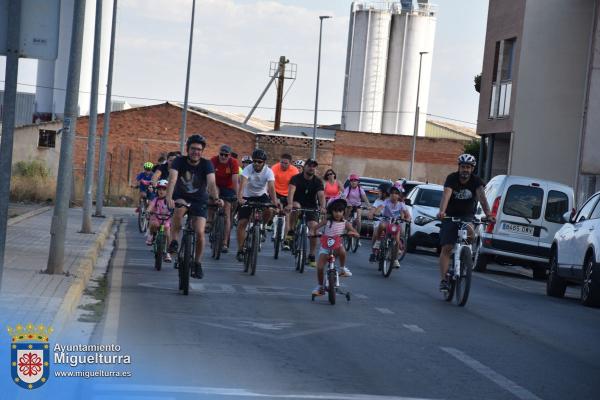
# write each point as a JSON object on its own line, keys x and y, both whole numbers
{"x": 384, "y": 310}
{"x": 492, "y": 375}
{"x": 414, "y": 328}
{"x": 199, "y": 390}
{"x": 111, "y": 325}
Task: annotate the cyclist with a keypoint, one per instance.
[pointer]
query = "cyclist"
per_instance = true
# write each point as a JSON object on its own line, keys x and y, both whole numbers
{"x": 304, "y": 191}
{"x": 384, "y": 193}
{"x": 190, "y": 178}
{"x": 333, "y": 189}
{"x": 334, "y": 225}
{"x": 391, "y": 208}
{"x": 462, "y": 190}
{"x": 258, "y": 185}
{"x": 144, "y": 180}
{"x": 159, "y": 206}
{"x": 299, "y": 164}
{"x": 284, "y": 172}
{"x": 162, "y": 170}
{"x": 226, "y": 176}
{"x": 355, "y": 196}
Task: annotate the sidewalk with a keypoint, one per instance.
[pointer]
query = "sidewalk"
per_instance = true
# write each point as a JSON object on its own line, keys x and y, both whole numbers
{"x": 27, "y": 294}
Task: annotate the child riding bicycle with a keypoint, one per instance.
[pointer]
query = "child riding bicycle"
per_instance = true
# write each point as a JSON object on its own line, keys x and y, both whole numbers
{"x": 159, "y": 206}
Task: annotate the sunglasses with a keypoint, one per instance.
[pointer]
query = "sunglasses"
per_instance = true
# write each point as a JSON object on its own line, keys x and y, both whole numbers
{"x": 196, "y": 149}
{"x": 258, "y": 161}
{"x": 224, "y": 154}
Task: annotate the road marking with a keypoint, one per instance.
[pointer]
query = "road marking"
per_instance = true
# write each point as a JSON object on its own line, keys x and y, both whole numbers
{"x": 384, "y": 310}
{"x": 492, "y": 375}
{"x": 111, "y": 325}
{"x": 200, "y": 390}
{"x": 414, "y": 328}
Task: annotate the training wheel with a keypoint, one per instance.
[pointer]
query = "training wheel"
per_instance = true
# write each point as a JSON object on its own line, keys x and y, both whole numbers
{"x": 347, "y": 296}
{"x": 312, "y": 297}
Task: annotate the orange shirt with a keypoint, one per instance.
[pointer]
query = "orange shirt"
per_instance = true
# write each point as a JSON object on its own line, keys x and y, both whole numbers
{"x": 282, "y": 178}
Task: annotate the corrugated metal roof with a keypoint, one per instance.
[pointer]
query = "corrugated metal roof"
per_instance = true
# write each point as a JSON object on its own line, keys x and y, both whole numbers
{"x": 443, "y": 129}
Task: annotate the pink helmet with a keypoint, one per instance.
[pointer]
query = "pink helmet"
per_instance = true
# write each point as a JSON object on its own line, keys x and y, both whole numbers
{"x": 398, "y": 186}
{"x": 353, "y": 177}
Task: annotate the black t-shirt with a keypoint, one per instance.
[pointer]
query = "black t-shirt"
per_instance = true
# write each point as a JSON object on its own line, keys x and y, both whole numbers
{"x": 164, "y": 171}
{"x": 306, "y": 190}
{"x": 464, "y": 197}
{"x": 191, "y": 179}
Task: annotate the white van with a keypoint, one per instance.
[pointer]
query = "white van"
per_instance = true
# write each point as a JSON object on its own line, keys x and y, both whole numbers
{"x": 528, "y": 212}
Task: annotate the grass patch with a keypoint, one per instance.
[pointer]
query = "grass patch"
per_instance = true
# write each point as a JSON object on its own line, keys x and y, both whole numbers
{"x": 31, "y": 182}
{"x": 98, "y": 293}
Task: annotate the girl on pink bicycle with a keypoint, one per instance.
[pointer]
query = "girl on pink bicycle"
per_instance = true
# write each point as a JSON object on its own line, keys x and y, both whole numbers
{"x": 159, "y": 206}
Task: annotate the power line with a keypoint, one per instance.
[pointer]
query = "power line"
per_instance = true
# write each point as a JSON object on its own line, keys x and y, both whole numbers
{"x": 249, "y": 107}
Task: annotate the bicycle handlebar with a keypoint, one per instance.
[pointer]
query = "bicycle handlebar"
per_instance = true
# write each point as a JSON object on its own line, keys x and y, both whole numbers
{"x": 475, "y": 221}
{"x": 252, "y": 204}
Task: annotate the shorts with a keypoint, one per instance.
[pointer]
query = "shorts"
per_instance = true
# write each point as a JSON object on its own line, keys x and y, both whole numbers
{"x": 198, "y": 207}
{"x": 155, "y": 221}
{"x": 449, "y": 231}
{"x": 282, "y": 199}
{"x": 227, "y": 194}
{"x": 244, "y": 212}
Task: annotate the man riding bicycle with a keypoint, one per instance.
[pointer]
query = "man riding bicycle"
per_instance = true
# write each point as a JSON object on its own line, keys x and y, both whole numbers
{"x": 303, "y": 192}
{"x": 284, "y": 171}
{"x": 189, "y": 179}
{"x": 462, "y": 190}
{"x": 226, "y": 177}
{"x": 162, "y": 170}
{"x": 257, "y": 180}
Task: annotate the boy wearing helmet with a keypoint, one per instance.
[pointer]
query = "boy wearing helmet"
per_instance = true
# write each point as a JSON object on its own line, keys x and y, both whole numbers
{"x": 191, "y": 180}
{"x": 159, "y": 206}
{"x": 462, "y": 190}
{"x": 144, "y": 180}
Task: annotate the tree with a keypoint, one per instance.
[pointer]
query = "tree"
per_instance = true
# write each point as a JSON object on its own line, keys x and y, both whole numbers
{"x": 477, "y": 81}
{"x": 472, "y": 148}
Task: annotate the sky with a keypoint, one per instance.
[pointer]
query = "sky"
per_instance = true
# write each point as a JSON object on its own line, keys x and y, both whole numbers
{"x": 235, "y": 41}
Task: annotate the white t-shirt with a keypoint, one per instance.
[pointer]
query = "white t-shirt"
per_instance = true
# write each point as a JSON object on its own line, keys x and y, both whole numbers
{"x": 392, "y": 210}
{"x": 257, "y": 181}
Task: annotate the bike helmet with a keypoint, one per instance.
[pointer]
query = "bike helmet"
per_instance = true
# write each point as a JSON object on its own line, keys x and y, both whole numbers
{"x": 199, "y": 139}
{"x": 397, "y": 187}
{"x": 225, "y": 149}
{"x": 246, "y": 159}
{"x": 385, "y": 188}
{"x": 299, "y": 163}
{"x": 259, "y": 154}
{"x": 148, "y": 165}
{"x": 467, "y": 159}
{"x": 336, "y": 204}
{"x": 353, "y": 177}
{"x": 163, "y": 183}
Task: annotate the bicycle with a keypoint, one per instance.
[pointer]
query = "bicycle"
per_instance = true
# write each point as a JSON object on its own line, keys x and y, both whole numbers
{"x": 142, "y": 207}
{"x": 187, "y": 251}
{"x": 332, "y": 279}
{"x": 159, "y": 247}
{"x": 301, "y": 238}
{"x": 388, "y": 248}
{"x": 254, "y": 233}
{"x": 217, "y": 230}
{"x": 351, "y": 242}
{"x": 461, "y": 263}
{"x": 278, "y": 232}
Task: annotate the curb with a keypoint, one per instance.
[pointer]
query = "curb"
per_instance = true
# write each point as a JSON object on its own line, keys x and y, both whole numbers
{"x": 29, "y": 214}
{"x": 82, "y": 274}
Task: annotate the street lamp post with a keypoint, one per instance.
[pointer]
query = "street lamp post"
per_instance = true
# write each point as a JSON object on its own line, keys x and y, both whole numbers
{"x": 414, "y": 143}
{"x": 187, "y": 84}
{"x": 314, "y": 138}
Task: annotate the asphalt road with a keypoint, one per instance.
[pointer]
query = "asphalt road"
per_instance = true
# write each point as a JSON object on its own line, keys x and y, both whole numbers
{"x": 240, "y": 336}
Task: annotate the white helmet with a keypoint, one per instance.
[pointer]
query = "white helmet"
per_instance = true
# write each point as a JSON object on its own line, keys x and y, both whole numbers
{"x": 467, "y": 159}
{"x": 299, "y": 163}
{"x": 163, "y": 183}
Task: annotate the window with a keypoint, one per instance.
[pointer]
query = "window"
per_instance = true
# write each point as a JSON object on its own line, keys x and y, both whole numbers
{"x": 556, "y": 205}
{"x": 429, "y": 198}
{"x": 596, "y": 212}
{"x": 585, "y": 211}
{"x": 502, "y": 85}
{"x": 524, "y": 201}
{"x": 47, "y": 138}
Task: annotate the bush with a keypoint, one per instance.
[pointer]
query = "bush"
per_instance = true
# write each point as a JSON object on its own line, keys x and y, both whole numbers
{"x": 31, "y": 169}
{"x": 31, "y": 182}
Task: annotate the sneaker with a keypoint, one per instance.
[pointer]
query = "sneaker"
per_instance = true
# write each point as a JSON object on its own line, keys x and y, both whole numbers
{"x": 224, "y": 249}
{"x": 285, "y": 246}
{"x": 197, "y": 271}
{"x": 240, "y": 256}
{"x": 312, "y": 261}
{"x": 444, "y": 286}
{"x": 167, "y": 258}
{"x": 318, "y": 291}
{"x": 173, "y": 247}
{"x": 372, "y": 257}
{"x": 149, "y": 240}
{"x": 345, "y": 272}
{"x": 396, "y": 264}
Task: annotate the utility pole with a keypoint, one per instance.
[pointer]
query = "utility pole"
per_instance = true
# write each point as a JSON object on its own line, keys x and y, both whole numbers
{"x": 280, "y": 80}
{"x": 416, "y": 130}
{"x": 314, "y": 138}
{"x": 58, "y": 228}
{"x": 187, "y": 85}
{"x": 86, "y": 223}
{"x": 8, "y": 119}
{"x": 107, "y": 110}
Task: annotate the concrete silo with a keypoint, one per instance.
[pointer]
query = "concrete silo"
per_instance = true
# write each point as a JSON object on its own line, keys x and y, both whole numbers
{"x": 366, "y": 65}
{"x": 52, "y": 75}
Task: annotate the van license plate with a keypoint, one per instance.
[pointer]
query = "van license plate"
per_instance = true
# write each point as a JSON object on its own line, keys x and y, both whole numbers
{"x": 513, "y": 228}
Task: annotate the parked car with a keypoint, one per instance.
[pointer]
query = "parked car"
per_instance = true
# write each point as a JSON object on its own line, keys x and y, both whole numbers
{"x": 528, "y": 213}
{"x": 410, "y": 185}
{"x": 575, "y": 254}
{"x": 371, "y": 188}
{"x": 425, "y": 202}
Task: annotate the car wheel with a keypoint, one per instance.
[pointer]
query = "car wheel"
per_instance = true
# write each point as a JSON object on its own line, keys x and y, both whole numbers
{"x": 555, "y": 285}
{"x": 480, "y": 261}
{"x": 539, "y": 271}
{"x": 590, "y": 289}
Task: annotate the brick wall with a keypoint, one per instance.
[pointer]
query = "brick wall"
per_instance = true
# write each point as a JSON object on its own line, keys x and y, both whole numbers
{"x": 299, "y": 148}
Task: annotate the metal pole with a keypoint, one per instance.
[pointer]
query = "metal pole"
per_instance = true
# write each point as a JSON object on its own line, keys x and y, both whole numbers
{"x": 314, "y": 138}
{"x": 414, "y": 143}
{"x": 107, "y": 110}
{"x": 279, "y": 101}
{"x": 86, "y": 220}
{"x": 187, "y": 85}
{"x": 8, "y": 118}
{"x": 58, "y": 228}
{"x": 260, "y": 97}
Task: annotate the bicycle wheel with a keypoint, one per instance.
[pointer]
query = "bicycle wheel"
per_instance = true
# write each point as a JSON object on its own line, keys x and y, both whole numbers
{"x": 448, "y": 295}
{"x": 300, "y": 254}
{"x": 247, "y": 247}
{"x": 159, "y": 249}
{"x": 331, "y": 281}
{"x": 304, "y": 245}
{"x": 463, "y": 283}
{"x": 254, "y": 249}
{"x": 347, "y": 243}
{"x": 402, "y": 246}
{"x": 277, "y": 237}
{"x": 391, "y": 248}
{"x": 186, "y": 265}
{"x": 217, "y": 237}
{"x": 384, "y": 258}
{"x": 141, "y": 215}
